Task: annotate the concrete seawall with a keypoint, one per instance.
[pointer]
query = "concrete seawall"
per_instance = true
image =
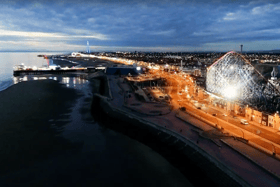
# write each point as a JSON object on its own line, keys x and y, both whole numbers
{"x": 190, "y": 159}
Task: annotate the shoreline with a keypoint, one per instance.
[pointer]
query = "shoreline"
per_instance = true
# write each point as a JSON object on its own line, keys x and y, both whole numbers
{"x": 6, "y": 87}
{"x": 162, "y": 141}
{"x": 33, "y": 137}
{"x": 182, "y": 154}
{"x": 140, "y": 128}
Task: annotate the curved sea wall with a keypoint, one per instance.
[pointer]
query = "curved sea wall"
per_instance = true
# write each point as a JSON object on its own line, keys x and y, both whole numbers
{"x": 196, "y": 164}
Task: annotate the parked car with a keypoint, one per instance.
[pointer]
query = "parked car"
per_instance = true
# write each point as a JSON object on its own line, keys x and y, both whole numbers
{"x": 198, "y": 107}
{"x": 244, "y": 122}
{"x": 214, "y": 114}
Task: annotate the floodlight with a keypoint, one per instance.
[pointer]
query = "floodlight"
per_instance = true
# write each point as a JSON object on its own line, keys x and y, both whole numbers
{"x": 230, "y": 92}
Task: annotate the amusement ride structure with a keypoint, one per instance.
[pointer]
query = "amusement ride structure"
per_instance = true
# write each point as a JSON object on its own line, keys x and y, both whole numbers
{"x": 234, "y": 78}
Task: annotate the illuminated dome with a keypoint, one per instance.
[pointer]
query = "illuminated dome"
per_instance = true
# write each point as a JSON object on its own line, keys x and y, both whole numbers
{"x": 234, "y": 78}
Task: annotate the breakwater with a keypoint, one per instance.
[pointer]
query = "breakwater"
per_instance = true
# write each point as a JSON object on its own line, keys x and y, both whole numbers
{"x": 191, "y": 160}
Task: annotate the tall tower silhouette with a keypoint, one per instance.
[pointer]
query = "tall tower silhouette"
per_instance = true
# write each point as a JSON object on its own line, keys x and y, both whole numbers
{"x": 241, "y": 46}
{"x": 88, "y": 48}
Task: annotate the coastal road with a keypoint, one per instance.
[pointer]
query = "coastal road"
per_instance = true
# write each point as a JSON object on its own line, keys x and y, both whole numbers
{"x": 178, "y": 82}
{"x": 229, "y": 157}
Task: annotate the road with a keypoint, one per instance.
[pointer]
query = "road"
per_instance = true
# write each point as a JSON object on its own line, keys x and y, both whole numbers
{"x": 203, "y": 109}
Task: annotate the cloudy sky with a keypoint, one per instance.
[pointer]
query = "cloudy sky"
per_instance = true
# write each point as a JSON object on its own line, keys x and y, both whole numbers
{"x": 149, "y": 25}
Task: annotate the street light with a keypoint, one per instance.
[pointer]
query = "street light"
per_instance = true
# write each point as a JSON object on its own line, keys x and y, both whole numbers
{"x": 217, "y": 124}
{"x": 242, "y": 133}
{"x": 273, "y": 149}
{"x": 227, "y": 115}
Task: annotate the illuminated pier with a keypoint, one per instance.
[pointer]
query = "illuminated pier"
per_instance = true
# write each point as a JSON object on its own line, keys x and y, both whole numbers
{"x": 60, "y": 71}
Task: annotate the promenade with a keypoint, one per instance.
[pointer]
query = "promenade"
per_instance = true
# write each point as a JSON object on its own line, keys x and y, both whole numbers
{"x": 257, "y": 167}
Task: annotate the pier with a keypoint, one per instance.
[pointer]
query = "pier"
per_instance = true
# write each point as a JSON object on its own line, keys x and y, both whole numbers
{"x": 60, "y": 71}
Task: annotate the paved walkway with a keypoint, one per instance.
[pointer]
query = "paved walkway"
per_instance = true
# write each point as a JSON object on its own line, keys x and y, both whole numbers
{"x": 131, "y": 102}
{"x": 242, "y": 159}
{"x": 256, "y": 156}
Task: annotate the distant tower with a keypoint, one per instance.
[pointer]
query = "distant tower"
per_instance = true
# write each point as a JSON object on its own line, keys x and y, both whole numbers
{"x": 274, "y": 73}
{"x": 241, "y": 46}
{"x": 88, "y": 48}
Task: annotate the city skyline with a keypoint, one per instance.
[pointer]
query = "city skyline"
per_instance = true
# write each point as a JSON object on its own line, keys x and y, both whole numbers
{"x": 139, "y": 26}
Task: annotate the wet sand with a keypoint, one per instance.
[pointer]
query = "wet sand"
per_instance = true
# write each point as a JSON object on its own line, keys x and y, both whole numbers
{"x": 26, "y": 133}
{"x": 80, "y": 151}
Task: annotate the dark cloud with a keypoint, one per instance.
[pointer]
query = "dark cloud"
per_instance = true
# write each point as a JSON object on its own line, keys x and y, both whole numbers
{"x": 139, "y": 23}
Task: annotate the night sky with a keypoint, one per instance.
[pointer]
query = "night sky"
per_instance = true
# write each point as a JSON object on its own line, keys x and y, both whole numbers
{"x": 119, "y": 25}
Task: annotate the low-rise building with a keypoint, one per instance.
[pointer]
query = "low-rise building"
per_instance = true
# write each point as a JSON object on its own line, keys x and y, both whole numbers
{"x": 276, "y": 121}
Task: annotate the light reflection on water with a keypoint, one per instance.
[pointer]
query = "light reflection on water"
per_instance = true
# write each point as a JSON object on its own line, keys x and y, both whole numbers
{"x": 70, "y": 82}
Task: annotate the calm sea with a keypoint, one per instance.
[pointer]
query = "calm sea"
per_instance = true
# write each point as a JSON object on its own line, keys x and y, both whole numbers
{"x": 108, "y": 158}
{"x": 9, "y": 60}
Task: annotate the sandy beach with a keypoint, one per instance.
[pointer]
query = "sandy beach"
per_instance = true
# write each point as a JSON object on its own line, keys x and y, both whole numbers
{"x": 27, "y": 110}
